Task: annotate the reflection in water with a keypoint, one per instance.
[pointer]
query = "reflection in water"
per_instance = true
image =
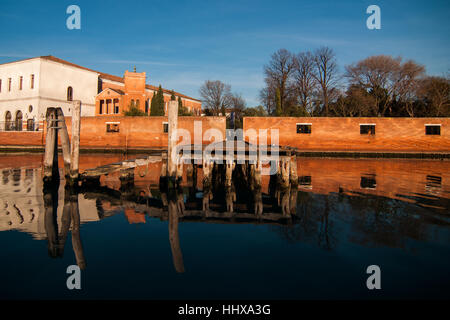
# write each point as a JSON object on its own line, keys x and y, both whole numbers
{"x": 176, "y": 209}
{"x": 368, "y": 203}
{"x": 70, "y": 218}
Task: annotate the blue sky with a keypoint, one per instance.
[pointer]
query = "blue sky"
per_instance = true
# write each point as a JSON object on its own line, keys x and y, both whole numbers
{"x": 180, "y": 44}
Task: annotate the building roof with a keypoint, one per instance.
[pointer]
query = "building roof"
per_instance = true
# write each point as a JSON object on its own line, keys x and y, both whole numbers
{"x": 103, "y": 75}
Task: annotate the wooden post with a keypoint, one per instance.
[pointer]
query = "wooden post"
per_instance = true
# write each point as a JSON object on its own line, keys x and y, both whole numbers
{"x": 174, "y": 236}
{"x": 207, "y": 184}
{"x": 76, "y": 239}
{"x": 75, "y": 146}
{"x": 293, "y": 177}
{"x": 172, "y": 141}
{"x": 50, "y": 144}
{"x": 65, "y": 142}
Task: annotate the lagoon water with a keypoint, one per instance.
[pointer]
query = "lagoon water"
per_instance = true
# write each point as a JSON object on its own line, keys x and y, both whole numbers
{"x": 350, "y": 213}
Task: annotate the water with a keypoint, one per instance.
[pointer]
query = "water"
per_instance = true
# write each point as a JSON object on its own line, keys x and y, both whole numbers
{"x": 349, "y": 214}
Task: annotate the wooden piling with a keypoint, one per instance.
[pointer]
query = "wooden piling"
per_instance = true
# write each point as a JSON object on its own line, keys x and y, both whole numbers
{"x": 50, "y": 144}
{"x": 65, "y": 142}
{"x": 293, "y": 177}
{"x": 174, "y": 238}
{"x": 172, "y": 139}
{"x": 75, "y": 145}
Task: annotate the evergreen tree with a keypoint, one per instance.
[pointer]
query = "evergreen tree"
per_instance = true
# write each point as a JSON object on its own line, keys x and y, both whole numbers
{"x": 172, "y": 97}
{"x": 153, "y": 104}
{"x": 157, "y": 108}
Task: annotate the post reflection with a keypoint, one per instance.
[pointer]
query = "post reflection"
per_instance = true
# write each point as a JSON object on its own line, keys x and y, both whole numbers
{"x": 176, "y": 210}
{"x": 70, "y": 219}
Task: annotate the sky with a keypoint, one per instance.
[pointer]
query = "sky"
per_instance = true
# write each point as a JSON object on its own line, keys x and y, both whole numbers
{"x": 180, "y": 44}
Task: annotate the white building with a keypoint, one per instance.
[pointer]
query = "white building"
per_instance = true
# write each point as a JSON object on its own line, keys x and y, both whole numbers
{"x": 28, "y": 87}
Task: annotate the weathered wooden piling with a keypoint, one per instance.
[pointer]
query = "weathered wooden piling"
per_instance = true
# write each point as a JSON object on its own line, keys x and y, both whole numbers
{"x": 76, "y": 238}
{"x": 172, "y": 140}
{"x": 207, "y": 183}
{"x": 75, "y": 145}
{"x": 65, "y": 142}
{"x": 293, "y": 176}
{"x": 51, "y": 145}
{"x": 174, "y": 238}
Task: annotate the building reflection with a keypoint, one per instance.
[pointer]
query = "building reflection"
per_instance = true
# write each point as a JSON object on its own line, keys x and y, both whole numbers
{"x": 337, "y": 201}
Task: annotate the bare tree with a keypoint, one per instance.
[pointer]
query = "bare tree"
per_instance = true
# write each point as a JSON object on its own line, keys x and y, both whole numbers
{"x": 278, "y": 77}
{"x": 326, "y": 74}
{"x": 435, "y": 91}
{"x": 407, "y": 84}
{"x": 305, "y": 82}
{"x": 386, "y": 78}
{"x": 216, "y": 96}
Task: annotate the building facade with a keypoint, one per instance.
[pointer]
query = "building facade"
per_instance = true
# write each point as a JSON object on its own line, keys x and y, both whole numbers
{"x": 28, "y": 87}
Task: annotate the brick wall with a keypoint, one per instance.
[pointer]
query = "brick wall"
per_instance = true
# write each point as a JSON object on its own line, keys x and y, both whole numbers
{"x": 343, "y": 134}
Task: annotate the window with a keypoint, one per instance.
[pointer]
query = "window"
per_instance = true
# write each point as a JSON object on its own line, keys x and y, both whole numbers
{"x": 18, "y": 123}
{"x": 304, "y": 128}
{"x": 112, "y": 126}
{"x": 116, "y": 105}
{"x": 165, "y": 127}
{"x": 368, "y": 182}
{"x": 367, "y": 129}
{"x": 433, "y": 129}
{"x": 0, "y": 85}
{"x": 69, "y": 94}
{"x": 8, "y": 123}
{"x": 9, "y": 84}
{"x": 32, "y": 81}
{"x": 30, "y": 125}
{"x": 30, "y": 108}
{"x": 305, "y": 182}
{"x": 20, "y": 82}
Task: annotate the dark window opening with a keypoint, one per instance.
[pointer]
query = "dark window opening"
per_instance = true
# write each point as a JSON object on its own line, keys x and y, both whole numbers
{"x": 30, "y": 125}
{"x": 303, "y": 128}
{"x": 18, "y": 122}
{"x": 32, "y": 81}
{"x": 304, "y": 181}
{"x": 433, "y": 130}
{"x": 367, "y": 129}
{"x": 112, "y": 127}
{"x": 434, "y": 181}
{"x": 69, "y": 94}
{"x": 165, "y": 127}
{"x": 368, "y": 182}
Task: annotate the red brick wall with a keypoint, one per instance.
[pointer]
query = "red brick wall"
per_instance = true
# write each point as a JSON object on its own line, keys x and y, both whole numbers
{"x": 343, "y": 134}
{"x": 137, "y": 132}
{"x": 21, "y": 138}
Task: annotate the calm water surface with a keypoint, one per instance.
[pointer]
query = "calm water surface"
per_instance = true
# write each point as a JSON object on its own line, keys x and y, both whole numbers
{"x": 348, "y": 214}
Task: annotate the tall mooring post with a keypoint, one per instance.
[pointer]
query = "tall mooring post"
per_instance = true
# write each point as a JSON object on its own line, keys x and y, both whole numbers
{"x": 172, "y": 155}
{"x": 75, "y": 145}
{"x": 65, "y": 142}
{"x": 51, "y": 145}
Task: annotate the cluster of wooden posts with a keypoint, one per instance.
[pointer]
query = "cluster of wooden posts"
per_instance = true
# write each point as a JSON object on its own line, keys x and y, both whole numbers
{"x": 226, "y": 181}
{"x": 56, "y": 125}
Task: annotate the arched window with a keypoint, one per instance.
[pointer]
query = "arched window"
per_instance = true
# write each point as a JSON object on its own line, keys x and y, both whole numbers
{"x": 146, "y": 106}
{"x": 18, "y": 124}
{"x": 69, "y": 94}
{"x": 8, "y": 123}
